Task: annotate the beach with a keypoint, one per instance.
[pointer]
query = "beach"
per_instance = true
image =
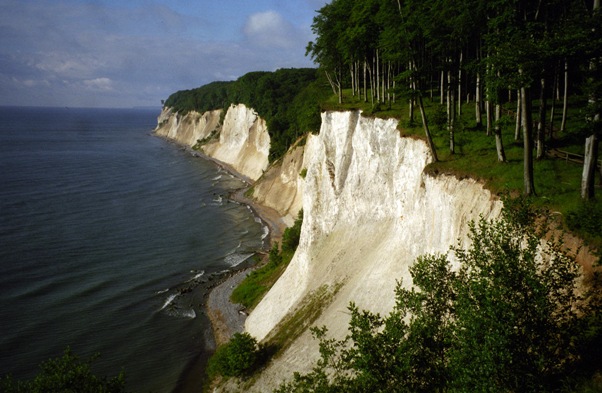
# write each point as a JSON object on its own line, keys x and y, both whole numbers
{"x": 226, "y": 317}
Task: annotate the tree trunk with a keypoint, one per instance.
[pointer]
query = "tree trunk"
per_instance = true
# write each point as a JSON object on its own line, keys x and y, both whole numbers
{"x": 497, "y": 130}
{"x": 365, "y": 84}
{"x": 565, "y": 96}
{"x": 332, "y": 83}
{"x": 377, "y": 77}
{"x": 352, "y": 72}
{"x": 590, "y": 161}
{"x": 477, "y": 107}
{"x": 450, "y": 111}
{"x": 541, "y": 124}
{"x": 442, "y": 88}
{"x": 427, "y": 132}
{"x": 340, "y": 85}
{"x": 553, "y": 108}
{"x": 489, "y": 116}
{"x": 413, "y": 88}
{"x": 519, "y": 117}
{"x": 589, "y": 167}
{"x": 371, "y": 75}
{"x": 527, "y": 120}
{"x": 460, "y": 86}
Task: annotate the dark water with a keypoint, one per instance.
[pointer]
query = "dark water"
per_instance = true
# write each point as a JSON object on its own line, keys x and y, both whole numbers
{"x": 108, "y": 236}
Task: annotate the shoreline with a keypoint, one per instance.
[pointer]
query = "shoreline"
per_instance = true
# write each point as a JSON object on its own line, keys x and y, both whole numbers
{"x": 227, "y": 318}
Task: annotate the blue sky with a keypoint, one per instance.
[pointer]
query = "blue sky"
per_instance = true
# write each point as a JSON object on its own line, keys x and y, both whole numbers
{"x": 107, "y": 53}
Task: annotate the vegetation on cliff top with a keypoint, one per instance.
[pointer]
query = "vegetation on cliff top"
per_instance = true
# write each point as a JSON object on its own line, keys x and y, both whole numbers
{"x": 498, "y": 89}
{"x": 288, "y": 99}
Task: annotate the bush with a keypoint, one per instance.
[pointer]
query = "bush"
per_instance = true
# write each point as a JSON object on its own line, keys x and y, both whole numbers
{"x": 291, "y": 235}
{"x": 586, "y": 218}
{"x": 65, "y": 374}
{"x": 239, "y": 357}
{"x": 508, "y": 319}
{"x": 260, "y": 280}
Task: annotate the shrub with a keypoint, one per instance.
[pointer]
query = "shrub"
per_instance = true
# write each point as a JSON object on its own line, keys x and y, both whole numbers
{"x": 291, "y": 235}
{"x": 237, "y": 358}
{"x": 65, "y": 374}
{"x": 505, "y": 320}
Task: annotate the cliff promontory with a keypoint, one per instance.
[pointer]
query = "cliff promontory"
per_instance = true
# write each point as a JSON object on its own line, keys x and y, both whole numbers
{"x": 369, "y": 210}
{"x": 240, "y": 141}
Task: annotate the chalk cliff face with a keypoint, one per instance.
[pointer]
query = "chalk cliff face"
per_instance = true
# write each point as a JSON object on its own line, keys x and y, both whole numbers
{"x": 369, "y": 211}
{"x": 281, "y": 187}
{"x": 243, "y": 142}
{"x": 187, "y": 129}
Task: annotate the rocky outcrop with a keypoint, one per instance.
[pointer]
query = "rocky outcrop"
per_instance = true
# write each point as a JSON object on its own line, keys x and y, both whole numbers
{"x": 369, "y": 211}
{"x": 281, "y": 187}
{"x": 241, "y": 141}
{"x": 187, "y": 129}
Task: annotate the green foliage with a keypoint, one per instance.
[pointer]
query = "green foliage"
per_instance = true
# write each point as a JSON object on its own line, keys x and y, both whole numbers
{"x": 66, "y": 374}
{"x": 586, "y": 218}
{"x": 237, "y": 358}
{"x": 509, "y": 318}
{"x": 215, "y": 95}
{"x": 252, "y": 289}
{"x": 291, "y": 235}
{"x": 287, "y": 99}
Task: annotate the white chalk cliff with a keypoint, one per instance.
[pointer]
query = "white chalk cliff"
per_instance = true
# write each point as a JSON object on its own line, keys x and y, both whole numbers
{"x": 369, "y": 210}
{"x": 243, "y": 142}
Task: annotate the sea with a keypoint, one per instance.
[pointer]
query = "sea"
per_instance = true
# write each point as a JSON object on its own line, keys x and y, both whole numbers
{"x": 110, "y": 238}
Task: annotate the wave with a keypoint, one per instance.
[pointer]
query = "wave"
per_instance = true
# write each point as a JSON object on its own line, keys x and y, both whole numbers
{"x": 217, "y": 177}
{"x": 169, "y": 300}
{"x": 196, "y": 276}
{"x": 236, "y": 259}
{"x": 162, "y": 291}
{"x": 181, "y": 313}
{"x": 266, "y": 232}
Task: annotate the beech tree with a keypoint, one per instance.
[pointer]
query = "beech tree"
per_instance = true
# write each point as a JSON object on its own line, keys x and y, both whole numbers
{"x": 485, "y": 47}
{"x": 594, "y": 88}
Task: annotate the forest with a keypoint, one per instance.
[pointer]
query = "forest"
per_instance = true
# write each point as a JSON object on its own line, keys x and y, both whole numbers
{"x": 488, "y": 53}
{"x": 523, "y": 76}
{"x": 288, "y": 99}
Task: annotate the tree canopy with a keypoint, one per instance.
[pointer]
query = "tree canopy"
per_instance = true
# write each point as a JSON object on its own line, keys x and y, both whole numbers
{"x": 506, "y": 316}
{"x": 67, "y": 373}
{"x": 467, "y": 49}
{"x": 288, "y": 99}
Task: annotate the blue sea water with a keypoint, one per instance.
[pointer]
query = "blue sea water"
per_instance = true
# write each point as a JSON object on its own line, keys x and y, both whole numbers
{"x": 109, "y": 239}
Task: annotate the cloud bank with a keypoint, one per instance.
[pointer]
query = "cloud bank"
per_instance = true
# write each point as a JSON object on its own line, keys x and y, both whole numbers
{"x": 76, "y": 53}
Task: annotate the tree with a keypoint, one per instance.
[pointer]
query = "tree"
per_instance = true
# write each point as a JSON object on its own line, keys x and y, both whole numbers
{"x": 594, "y": 118}
{"x": 505, "y": 320}
{"x": 65, "y": 374}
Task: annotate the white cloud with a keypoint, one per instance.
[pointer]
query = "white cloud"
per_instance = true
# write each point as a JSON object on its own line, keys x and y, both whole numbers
{"x": 270, "y": 29}
{"x": 81, "y": 53}
{"x": 102, "y": 84}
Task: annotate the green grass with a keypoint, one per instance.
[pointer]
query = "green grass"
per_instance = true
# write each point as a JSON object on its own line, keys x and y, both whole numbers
{"x": 303, "y": 317}
{"x": 260, "y": 280}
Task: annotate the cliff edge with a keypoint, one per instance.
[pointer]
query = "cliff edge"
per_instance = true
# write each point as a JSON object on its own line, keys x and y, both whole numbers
{"x": 369, "y": 211}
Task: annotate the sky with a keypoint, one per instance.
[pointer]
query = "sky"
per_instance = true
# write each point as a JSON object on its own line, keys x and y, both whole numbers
{"x": 126, "y": 53}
